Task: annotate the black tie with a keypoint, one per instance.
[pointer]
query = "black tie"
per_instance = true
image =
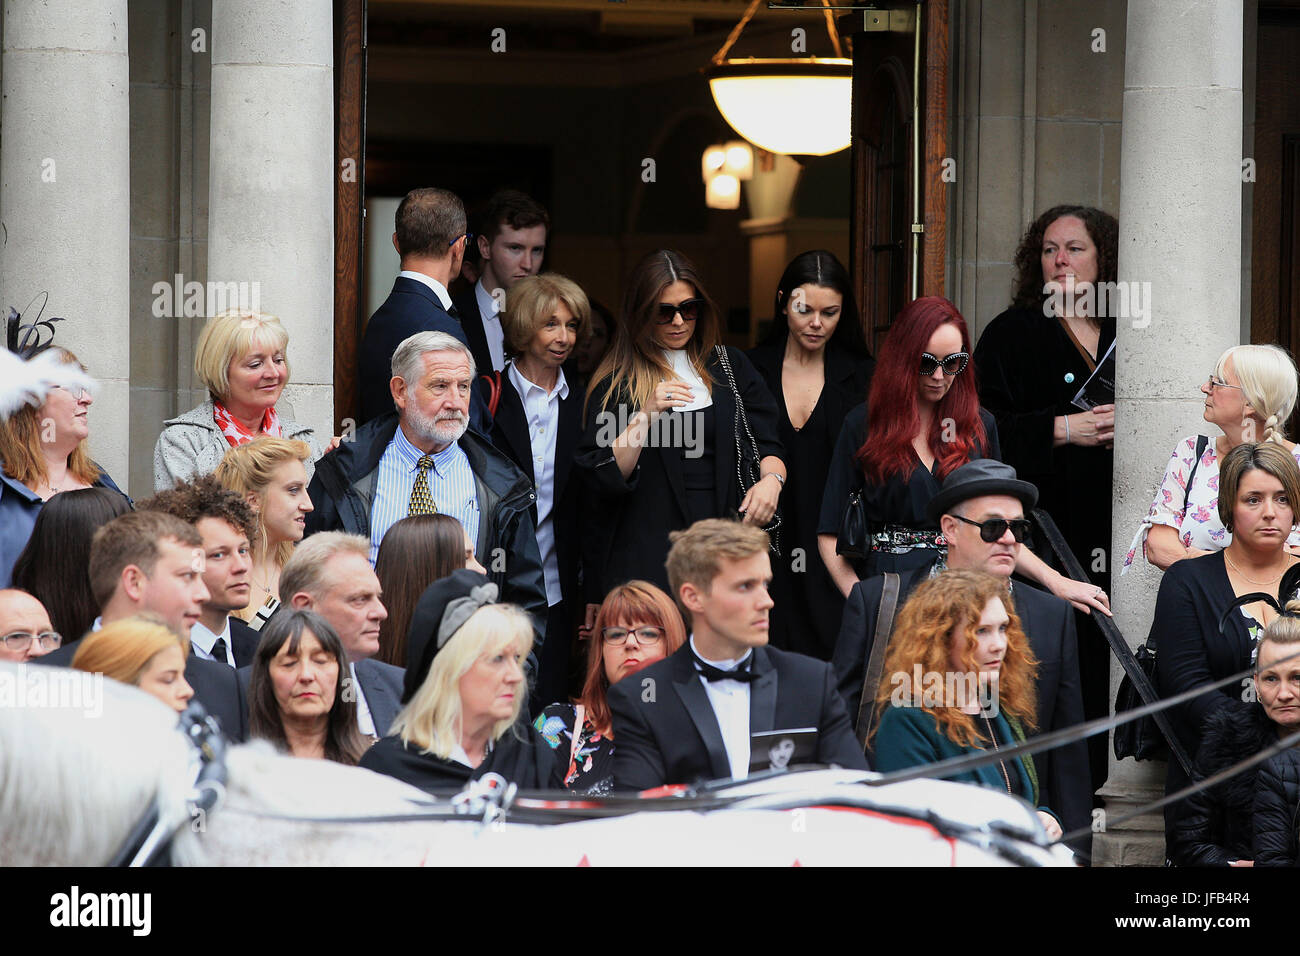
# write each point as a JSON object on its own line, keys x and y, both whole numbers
{"x": 453, "y": 312}
{"x": 742, "y": 673}
{"x": 219, "y": 651}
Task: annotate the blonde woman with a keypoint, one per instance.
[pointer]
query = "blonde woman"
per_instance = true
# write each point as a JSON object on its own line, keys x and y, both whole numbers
{"x": 242, "y": 360}
{"x": 271, "y": 474}
{"x": 464, "y": 693}
{"x": 1249, "y": 397}
{"x": 142, "y": 651}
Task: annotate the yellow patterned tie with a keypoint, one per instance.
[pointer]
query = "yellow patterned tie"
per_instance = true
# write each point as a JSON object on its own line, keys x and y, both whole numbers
{"x": 421, "y": 499}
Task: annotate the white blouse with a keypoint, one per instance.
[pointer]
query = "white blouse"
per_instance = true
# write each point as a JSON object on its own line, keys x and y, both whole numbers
{"x": 682, "y": 369}
{"x": 1198, "y": 525}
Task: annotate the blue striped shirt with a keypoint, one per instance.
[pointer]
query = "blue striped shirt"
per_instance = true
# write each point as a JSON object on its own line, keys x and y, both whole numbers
{"x": 451, "y": 485}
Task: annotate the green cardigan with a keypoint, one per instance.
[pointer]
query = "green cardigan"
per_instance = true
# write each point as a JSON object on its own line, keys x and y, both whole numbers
{"x": 907, "y": 737}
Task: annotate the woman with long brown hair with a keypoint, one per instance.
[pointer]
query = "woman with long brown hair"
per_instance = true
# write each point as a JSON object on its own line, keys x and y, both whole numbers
{"x": 959, "y": 636}
{"x": 637, "y": 625}
{"x": 666, "y": 441}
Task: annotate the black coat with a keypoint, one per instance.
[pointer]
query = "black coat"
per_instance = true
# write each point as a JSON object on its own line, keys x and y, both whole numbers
{"x": 243, "y": 642}
{"x": 465, "y": 303}
{"x": 530, "y": 763}
{"x": 808, "y": 619}
{"x": 1216, "y": 824}
{"x": 1277, "y": 805}
{"x": 342, "y": 489}
{"x": 411, "y": 307}
{"x": 635, "y": 514}
{"x": 1048, "y": 622}
{"x": 665, "y": 730}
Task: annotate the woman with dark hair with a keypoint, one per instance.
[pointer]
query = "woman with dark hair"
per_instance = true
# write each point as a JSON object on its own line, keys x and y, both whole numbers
{"x": 415, "y": 552}
{"x": 52, "y": 567}
{"x": 664, "y": 433}
{"x": 296, "y": 694}
{"x": 961, "y": 625}
{"x": 637, "y": 625}
{"x": 44, "y": 450}
{"x": 815, "y": 363}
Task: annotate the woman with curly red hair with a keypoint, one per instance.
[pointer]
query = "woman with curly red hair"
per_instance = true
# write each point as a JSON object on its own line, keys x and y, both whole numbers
{"x": 960, "y": 638}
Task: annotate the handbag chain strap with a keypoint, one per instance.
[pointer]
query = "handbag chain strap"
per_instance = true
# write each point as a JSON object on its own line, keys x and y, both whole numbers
{"x": 742, "y": 419}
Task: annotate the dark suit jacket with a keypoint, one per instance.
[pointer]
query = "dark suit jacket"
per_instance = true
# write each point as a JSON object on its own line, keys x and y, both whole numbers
{"x": 411, "y": 307}
{"x": 243, "y": 641}
{"x": 215, "y": 687}
{"x": 381, "y": 683}
{"x": 471, "y": 321}
{"x": 667, "y": 732}
{"x": 1048, "y": 622}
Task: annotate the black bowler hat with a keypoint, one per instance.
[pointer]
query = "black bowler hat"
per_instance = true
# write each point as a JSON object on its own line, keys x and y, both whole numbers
{"x": 983, "y": 476}
{"x": 444, "y": 606}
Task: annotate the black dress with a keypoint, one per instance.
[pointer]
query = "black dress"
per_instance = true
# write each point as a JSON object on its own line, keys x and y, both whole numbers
{"x": 1029, "y": 372}
{"x": 627, "y": 537}
{"x": 1193, "y": 595}
{"x": 521, "y": 756}
{"x": 808, "y": 605}
{"x": 896, "y": 502}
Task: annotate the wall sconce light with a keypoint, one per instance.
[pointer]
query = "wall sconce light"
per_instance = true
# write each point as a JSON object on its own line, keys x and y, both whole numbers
{"x": 722, "y": 192}
{"x": 723, "y": 167}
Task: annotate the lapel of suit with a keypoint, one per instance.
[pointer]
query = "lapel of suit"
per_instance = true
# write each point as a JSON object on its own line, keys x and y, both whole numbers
{"x": 472, "y": 322}
{"x": 512, "y": 425}
{"x": 690, "y": 689}
{"x": 570, "y": 425}
{"x": 724, "y": 440}
{"x": 672, "y": 463}
{"x": 762, "y": 693}
{"x": 382, "y": 706}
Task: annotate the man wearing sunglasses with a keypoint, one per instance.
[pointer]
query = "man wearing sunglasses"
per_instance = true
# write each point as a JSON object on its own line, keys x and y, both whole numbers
{"x": 25, "y": 628}
{"x": 981, "y": 511}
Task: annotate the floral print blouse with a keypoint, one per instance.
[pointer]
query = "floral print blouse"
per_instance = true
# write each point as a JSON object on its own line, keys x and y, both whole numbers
{"x": 590, "y": 765}
{"x": 1198, "y": 526}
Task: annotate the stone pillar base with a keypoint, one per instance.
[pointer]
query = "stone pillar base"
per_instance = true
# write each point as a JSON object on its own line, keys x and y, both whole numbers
{"x": 1136, "y": 842}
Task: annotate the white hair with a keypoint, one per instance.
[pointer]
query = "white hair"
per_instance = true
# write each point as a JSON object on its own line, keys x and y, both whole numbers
{"x": 1268, "y": 383}
{"x": 408, "y": 360}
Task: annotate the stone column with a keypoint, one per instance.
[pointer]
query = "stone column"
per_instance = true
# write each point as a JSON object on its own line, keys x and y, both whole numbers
{"x": 1180, "y": 219}
{"x": 65, "y": 192}
{"x": 271, "y": 194}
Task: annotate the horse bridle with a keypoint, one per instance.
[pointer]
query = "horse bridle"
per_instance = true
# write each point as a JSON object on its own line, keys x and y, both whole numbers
{"x": 150, "y": 840}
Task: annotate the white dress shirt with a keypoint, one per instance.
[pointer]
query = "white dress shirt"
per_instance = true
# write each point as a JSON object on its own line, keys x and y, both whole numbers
{"x": 451, "y": 485}
{"x": 438, "y": 288}
{"x": 202, "y": 641}
{"x": 730, "y": 701}
{"x": 365, "y": 722}
{"x": 542, "y": 411}
{"x": 496, "y": 336}
{"x": 682, "y": 369}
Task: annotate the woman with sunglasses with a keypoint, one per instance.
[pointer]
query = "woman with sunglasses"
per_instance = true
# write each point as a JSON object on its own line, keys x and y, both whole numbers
{"x": 1249, "y": 397}
{"x": 664, "y": 434}
{"x": 637, "y": 625}
{"x": 815, "y": 363}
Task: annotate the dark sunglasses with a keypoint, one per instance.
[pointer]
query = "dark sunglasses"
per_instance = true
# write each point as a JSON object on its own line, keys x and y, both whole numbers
{"x": 690, "y": 310}
{"x": 953, "y": 364}
{"x": 994, "y": 528}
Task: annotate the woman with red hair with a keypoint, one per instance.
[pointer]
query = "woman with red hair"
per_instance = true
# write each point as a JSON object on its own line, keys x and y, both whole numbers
{"x": 922, "y": 420}
{"x": 636, "y": 625}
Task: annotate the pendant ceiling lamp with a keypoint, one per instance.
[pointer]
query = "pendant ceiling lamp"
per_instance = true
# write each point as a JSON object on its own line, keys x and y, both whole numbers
{"x": 799, "y": 106}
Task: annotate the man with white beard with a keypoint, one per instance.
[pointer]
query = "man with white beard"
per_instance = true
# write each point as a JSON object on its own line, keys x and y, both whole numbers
{"x": 421, "y": 459}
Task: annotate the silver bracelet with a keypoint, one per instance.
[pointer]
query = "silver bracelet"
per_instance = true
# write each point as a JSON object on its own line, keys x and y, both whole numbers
{"x": 772, "y": 474}
{"x": 1067, "y": 428}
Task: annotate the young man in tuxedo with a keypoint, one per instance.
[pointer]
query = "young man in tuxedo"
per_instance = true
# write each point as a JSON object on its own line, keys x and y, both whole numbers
{"x": 512, "y": 243}
{"x": 690, "y": 716}
{"x": 981, "y": 511}
{"x": 430, "y": 237}
{"x": 226, "y": 524}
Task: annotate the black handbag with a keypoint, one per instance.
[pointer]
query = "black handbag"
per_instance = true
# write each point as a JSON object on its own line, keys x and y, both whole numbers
{"x": 853, "y": 541}
{"x": 1140, "y": 739}
{"x": 748, "y": 457}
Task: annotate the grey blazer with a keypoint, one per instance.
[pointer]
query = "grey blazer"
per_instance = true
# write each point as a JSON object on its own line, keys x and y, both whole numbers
{"x": 192, "y": 444}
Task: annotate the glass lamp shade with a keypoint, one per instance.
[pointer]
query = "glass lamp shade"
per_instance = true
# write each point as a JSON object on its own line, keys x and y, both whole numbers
{"x": 800, "y": 107}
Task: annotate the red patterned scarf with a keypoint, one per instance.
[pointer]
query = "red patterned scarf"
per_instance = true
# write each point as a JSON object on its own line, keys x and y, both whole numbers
{"x": 236, "y": 433}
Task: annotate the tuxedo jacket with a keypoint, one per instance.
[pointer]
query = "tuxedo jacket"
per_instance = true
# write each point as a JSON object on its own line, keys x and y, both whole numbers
{"x": 380, "y": 683}
{"x": 471, "y": 321}
{"x": 1048, "y": 622}
{"x": 665, "y": 730}
{"x": 215, "y": 685}
{"x": 411, "y": 307}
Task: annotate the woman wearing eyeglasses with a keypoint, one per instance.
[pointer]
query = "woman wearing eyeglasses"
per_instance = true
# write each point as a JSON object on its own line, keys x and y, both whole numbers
{"x": 637, "y": 625}
{"x": 1249, "y": 397}
{"x": 666, "y": 443}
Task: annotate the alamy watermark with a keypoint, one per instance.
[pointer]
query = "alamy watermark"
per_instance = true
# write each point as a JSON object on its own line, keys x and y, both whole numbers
{"x": 196, "y": 300}
{"x": 50, "y": 688}
{"x": 935, "y": 689}
{"x": 663, "y": 431}
{"x": 1119, "y": 300}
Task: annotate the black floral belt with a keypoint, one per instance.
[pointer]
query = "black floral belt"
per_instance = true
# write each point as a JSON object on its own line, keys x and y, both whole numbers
{"x": 899, "y": 540}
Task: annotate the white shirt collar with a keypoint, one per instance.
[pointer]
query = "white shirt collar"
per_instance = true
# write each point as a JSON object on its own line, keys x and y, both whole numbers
{"x": 488, "y": 305}
{"x": 204, "y": 639}
{"x": 722, "y": 665}
{"x": 438, "y": 288}
{"x": 526, "y": 385}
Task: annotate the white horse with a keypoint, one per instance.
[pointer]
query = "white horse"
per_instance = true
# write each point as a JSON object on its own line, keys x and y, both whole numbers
{"x": 77, "y": 771}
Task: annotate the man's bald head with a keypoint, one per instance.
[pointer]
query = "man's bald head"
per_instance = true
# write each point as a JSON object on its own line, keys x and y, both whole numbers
{"x": 20, "y": 613}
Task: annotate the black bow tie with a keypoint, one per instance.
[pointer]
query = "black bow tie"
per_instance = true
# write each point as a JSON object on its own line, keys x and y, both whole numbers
{"x": 744, "y": 670}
